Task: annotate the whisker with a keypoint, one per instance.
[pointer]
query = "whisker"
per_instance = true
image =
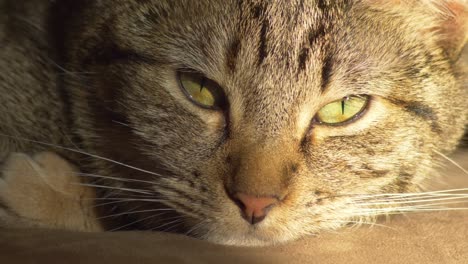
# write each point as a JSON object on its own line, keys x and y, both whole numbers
{"x": 113, "y": 198}
{"x": 36, "y": 27}
{"x": 84, "y": 153}
{"x": 429, "y": 199}
{"x": 451, "y": 161}
{"x": 136, "y": 212}
{"x": 114, "y": 188}
{"x": 196, "y": 227}
{"x": 178, "y": 219}
{"x": 135, "y": 222}
{"x": 72, "y": 73}
{"x": 120, "y": 123}
{"x": 29, "y": 23}
{"x": 434, "y": 206}
{"x": 175, "y": 224}
{"x": 405, "y": 194}
{"x": 116, "y": 201}
{"x": 398, "y": 210}
{"x": 359, "y": 223}
{"x": 113, "y": 178}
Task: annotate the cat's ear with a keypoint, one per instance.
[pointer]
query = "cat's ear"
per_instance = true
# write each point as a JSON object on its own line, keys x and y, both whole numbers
{"x": 451, "y": 26}
{"x": 444, "y": 20}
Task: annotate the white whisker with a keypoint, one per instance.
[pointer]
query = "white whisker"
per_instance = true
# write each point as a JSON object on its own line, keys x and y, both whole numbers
{"x": 196, "y": 227}
{"x": 117, "y": 200}
{"x": 84, "y": 153}
{"x": 403, "y": 195}
{"x": 359, "y": 223}
{"x": 136, "y": 212}
{"x": 451, "y": 161}
{"x": 134, "y": 222}
{"x": 175, "y": 224}
{"x": 398, "y": 210}
{"x": 113, "y": 178}
{"x": 429, "y": 199}
{"x": 120, "y": 123}
{"x": 178, "y": 219}
{"x": 114, "y": 188}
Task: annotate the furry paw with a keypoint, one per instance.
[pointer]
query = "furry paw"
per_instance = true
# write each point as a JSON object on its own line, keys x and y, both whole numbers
{"x": 44, "y": 191}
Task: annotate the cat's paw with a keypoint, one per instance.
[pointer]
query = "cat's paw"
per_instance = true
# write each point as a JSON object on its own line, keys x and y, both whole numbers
{"x": 44, "y": 191}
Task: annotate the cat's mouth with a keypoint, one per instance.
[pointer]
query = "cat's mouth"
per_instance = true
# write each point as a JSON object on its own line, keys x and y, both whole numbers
{"x": 287, "y": 221}
{"x": 248, "y": 228}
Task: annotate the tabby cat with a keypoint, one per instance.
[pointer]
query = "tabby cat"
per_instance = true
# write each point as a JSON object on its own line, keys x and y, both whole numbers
{"x": 245, "y": 122}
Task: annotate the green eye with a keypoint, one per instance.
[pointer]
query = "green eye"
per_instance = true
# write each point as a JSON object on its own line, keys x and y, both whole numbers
{"x": 201, "y": 90}
{"x": 342, "y": 111}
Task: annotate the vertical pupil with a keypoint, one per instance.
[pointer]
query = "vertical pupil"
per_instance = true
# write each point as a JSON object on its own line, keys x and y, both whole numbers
{"x": 202, "y": 84}
{"x": 343, "y": 104}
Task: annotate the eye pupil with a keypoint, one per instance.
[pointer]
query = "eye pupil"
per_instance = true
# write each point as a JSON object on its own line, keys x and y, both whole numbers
{"x": 202, "y": 84}
{"x": 343, "y": 102}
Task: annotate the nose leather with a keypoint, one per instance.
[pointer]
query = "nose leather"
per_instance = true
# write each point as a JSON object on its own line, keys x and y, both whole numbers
{"x": 254, "y": 208}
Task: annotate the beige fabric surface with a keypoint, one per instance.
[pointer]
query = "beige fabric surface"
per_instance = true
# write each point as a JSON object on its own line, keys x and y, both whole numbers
{"x": 440, "y": 237}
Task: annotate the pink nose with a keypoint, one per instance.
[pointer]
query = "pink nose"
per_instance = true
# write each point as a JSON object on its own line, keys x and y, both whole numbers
{"x": 254, "y": 208}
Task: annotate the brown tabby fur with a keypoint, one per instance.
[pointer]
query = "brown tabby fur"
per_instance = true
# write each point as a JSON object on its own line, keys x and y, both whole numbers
{"x": 100, "y": 76}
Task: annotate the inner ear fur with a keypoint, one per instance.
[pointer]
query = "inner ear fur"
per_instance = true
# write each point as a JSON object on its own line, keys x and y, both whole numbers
{"x": 453, "y": 29}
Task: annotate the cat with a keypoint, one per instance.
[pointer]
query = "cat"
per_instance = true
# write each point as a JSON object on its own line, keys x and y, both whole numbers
{"x": 246, "y": 122}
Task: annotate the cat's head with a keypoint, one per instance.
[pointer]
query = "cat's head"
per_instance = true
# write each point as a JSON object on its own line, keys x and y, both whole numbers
{"x": 262, "y": 121}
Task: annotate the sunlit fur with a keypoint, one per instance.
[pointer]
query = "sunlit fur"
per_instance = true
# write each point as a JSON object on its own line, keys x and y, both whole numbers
{"x": 278, "y": 62}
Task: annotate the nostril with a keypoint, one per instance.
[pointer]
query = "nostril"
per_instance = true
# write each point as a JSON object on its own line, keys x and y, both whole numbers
{"x": 254, "y": 208}
{"x": 239, "y": 203}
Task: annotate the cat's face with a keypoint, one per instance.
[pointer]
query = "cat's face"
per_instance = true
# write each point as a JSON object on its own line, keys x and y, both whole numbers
{"x": 272, "y": 68}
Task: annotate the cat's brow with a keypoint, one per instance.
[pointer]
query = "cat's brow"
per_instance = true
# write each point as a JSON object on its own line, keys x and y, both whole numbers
{"x": 114, "y": 54}
{"x": 232, "y": 54}
{"x": 258, "y": 12}
{"x": 421, "y": 110}
{"x": 262, "y": 48}
{"x": 327, "y": 72}
{"x": 314, "y": 36}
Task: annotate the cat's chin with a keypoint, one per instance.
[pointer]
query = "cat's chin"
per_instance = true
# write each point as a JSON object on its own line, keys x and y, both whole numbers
{"x": 252, "y": 237}
{"x": 246, "y": 240}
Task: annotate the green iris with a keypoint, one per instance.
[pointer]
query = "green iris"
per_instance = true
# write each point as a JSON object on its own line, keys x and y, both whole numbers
{"x": 343, "y": 110}
{"x": 198, "y": 89}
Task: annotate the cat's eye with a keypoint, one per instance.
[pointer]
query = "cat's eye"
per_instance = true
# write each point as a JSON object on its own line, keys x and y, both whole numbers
{"x": 343, "y": 111}
{"x": 201, "y": 90}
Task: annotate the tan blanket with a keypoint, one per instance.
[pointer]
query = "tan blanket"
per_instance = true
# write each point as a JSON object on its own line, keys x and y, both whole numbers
{"x": 440, "y": 237}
